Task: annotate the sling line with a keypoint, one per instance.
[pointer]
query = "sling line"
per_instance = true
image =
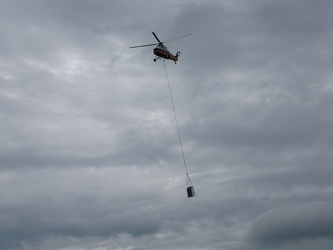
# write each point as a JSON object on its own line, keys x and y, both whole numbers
{"x": 179, "y": 137}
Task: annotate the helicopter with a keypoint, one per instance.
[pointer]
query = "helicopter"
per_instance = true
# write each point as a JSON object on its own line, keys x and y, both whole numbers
{"x": 162, "y": 51}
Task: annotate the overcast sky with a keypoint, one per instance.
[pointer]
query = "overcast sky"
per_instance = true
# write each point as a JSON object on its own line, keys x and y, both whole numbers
{"x": 89, "y": 151}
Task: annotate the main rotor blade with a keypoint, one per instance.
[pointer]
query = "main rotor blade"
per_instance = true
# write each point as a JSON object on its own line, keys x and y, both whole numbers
{"x": 178, "y": 38}
{"x": 146, "y": 45}
{"x": 156, "y": 37}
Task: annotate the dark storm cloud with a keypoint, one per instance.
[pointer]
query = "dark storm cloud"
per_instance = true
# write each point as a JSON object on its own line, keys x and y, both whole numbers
{"x": 269, "y": 99}
{"x": 89, "y": 152}
{"x": 306, "y": 221}
{"x": 274, "y": 35}
{"x": 46, "y": 210}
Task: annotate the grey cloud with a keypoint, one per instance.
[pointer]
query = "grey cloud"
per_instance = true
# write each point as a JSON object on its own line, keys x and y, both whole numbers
{"x": 293, "y": 223}
{"x": 89, "y": 151}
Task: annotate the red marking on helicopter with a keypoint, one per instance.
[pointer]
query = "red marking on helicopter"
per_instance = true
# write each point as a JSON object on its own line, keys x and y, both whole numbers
{"x": 162, "y": 51}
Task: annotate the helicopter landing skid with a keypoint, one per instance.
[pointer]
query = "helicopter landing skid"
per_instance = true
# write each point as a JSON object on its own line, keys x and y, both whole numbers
{"x": 157, "y": 58}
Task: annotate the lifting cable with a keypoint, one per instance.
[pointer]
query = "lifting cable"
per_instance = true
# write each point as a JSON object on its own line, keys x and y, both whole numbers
{"x": 188, "y": 181}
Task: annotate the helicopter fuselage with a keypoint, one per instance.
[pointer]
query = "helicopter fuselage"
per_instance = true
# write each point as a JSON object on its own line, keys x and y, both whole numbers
{"x": 162, "y": 52}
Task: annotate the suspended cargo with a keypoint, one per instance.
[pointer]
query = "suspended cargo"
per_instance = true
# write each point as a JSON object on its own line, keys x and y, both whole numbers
{"x": 190, "y": 192}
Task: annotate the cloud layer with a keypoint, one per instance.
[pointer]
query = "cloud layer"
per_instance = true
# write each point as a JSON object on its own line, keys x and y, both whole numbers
{"x": 89, "y": 152}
